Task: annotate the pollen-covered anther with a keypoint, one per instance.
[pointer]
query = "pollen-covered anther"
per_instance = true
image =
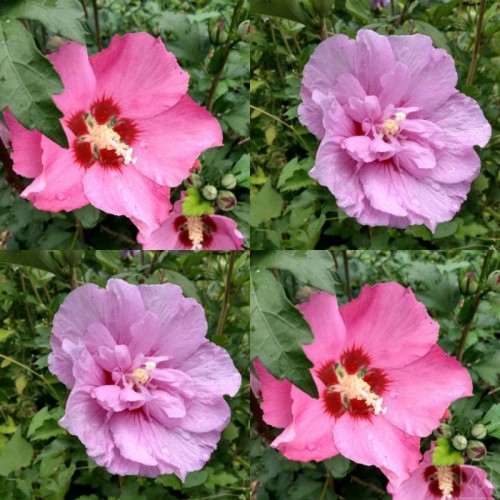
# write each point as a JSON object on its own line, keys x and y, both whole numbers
{"x": 354, "y": 387}
{"x": 195, "y": 232}
{"x": 390, "y": 126}
{"x": 445, "y": 481}
{"x": 104, "y": 137}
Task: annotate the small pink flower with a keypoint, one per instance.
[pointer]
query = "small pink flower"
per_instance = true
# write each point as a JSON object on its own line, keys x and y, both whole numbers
{"x": 180, "y": 232}
{"x": 133, "y": 133}
{"x": 396, "y": 136}
{"x": 382, "y": 380}
{"x": 430, "y": 482}
{"x": 146, "y": 385}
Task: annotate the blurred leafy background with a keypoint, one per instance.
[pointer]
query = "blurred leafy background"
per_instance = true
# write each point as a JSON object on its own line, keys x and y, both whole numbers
{"x": 454, "y": 287}
{"x": 289, "y": 209}
{"x": 39, "y": 459}
{"x": 218, "y": 63}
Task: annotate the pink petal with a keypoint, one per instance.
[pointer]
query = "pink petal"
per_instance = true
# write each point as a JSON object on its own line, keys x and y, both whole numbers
{"x": 27, "y": 148}
{"x": 277, "y": 400}
{"x": 477, "y": 484}
{"x": 358, "y": 147}
{"x": 204, "y": 417}
{"x": 166, "y": 237}
{"x": 226, "y": 236}
{"x": 213, "y": 372}
{"x": 72, "y": 63}
{"x": 145, "y": 334}
{"x": 182, "y": 322}
{"x": 59, "y": 186}
{"x": 416, "y": 159}
{"x": 463, "y": 122}
{"x": 389, "y": 323}
{"x": 127, "y": 192}
{"x": 454, "y": 168}
{"x": 140, "y": 74}
{"x": 322, "y": 313}
{"x": 347, "y": 86}
{"x": 108, "y": 396}
{"x": 394, "y": 85}
{"x": 376, "y": 442}
{"x": 165, "y": 406}
{"x": 309, "y": 436}
{"x": 420, "y": 392}
{"x": 173, "y": 140}
{"x": 416, "y": 486}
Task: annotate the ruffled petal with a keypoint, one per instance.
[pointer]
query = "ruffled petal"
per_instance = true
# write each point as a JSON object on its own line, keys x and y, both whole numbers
{"x": 226, "y": 235}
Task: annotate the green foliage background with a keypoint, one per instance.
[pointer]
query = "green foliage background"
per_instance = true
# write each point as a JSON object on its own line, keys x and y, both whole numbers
{"x": 39, "y": 459}
{"x": 434, "y": 277}
{"x": 30, "y": 28}
{"x": 289, "y": 209}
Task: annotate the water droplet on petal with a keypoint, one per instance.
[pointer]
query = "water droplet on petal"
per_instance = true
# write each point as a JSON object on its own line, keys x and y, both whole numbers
{"x": 310, "y": 447}
{"x": 143, "y": 144}
{"x": 60, "y": 197}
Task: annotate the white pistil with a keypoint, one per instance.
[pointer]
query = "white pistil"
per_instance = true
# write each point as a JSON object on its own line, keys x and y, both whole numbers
{"x": 445, "y": 481}
{"x": 354, "y": 387}
{"x": 104, "y": 137}
{"x": 195, "y": 232}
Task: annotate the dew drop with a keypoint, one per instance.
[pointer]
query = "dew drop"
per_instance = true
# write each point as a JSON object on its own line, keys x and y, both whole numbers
{"x": 60, "y": 197}
{"x": 310, "y": 447}
{"x": 143, "y": 144}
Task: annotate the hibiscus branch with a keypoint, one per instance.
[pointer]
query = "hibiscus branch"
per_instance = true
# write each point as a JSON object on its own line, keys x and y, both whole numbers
{"x": 96, "y": 21}
{"x": 477, "y": 44}
{"x": 262, "y": 428}
{"x": 119, "y": 236}
{"x": 346, "y": 273}
{"x": 12, "y": 178}
{"x": 227, "y": 293}
{"x": 403, "y": 12}
{"x": 225, "y": 54}
{"x": 370, "y": 486}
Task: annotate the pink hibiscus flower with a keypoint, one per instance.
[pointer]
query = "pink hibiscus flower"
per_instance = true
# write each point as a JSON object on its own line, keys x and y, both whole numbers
{"x": 132, "y": 129}
{"x": 430, "y": 482}
{"x": 382, "y": 381}
{"x": 396, "y": 136}
{"x": 180, "y": 232}
{"x": 146, "y": 385}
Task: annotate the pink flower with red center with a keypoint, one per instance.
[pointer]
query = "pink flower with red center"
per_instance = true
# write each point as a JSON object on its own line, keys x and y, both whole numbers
{"x": 441, "y": 482}
{"x": 189, "y": 232}
{"x": 396, "y": 135}
{"x": 133, "y": 133}
{"x": 383, "y": 383}
{"x": 146, "y": 385}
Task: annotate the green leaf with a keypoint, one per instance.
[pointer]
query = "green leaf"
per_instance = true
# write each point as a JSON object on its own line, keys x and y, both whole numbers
{"x": 58, "y": 16}
{"x": 489, "y": 369}
{"x": 44, "y": 424}
{"x": 194, "y": 204}
{"x": 438, "y": 39}
{"x": 16, "y": 454}
{"x": 278, "y": 331}
{"x": 188, "y": 287}
{"x": 88, "y": 216}
{"x": 287, "y": 9}
{"x": 27, "y": 82}
{"x": 195, "y": 478}
{"x": 444, "y": 454}
{"x": 41, "y": 259}
{"x": 266, "y": 205}
{"x": 242, "y": 171}
{"x": 338, "y": 466}
{"x": 492, "y": 421}
{"x": 309, "y": 267}
{"x": 295, "y": 175}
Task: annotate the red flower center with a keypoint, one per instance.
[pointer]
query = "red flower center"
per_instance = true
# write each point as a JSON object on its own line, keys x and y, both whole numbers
{"x": 103, "y": 136}
{"x": 444, "y": 482}
{"x": 195, "y": 233}
{"x": 352, "y": 385}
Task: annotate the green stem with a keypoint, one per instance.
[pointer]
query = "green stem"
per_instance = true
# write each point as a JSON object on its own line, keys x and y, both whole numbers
{"x": 227, "y": 293}
{"x": 225, "y": 55}
{"x": 323, "y": 33}
{"x": 347, "y": 277}
{"x": 477, "y": 44}
{"x": 97, "y": 30}
{"x": 28, "y": 313}
{"x": 403, "y": 12}
{"x": 46, "y": 382}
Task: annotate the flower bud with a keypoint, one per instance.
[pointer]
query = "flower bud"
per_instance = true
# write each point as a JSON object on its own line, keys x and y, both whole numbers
{"x": 209, "y": 192}
{"x": 468, "y": 284}
{"x": 459, "y": 442}
{"x": 218, "y": 34}
{"x": 493, "y": 281}
{"x": 476, "y": 450}
{"x": 479, "y": 431}
{"x": 226, "y": 200}
{"x": 322, "y": 7}
{"x": 228, "y": 181}
{"x": 244, "y": 31}
{"x": 194, "y": 180}
{"x": 444, "y": 430}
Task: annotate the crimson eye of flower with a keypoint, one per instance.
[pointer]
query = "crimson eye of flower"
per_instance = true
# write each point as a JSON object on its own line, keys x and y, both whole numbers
{"x": 103, "y": 136}
{"x": 444, "y": 482}
{"x": 195, "y": 233}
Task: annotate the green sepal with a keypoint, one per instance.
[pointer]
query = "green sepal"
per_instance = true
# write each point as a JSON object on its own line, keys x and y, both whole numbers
{"x": 444, "y": 454}
{"x": 194, "y": 204}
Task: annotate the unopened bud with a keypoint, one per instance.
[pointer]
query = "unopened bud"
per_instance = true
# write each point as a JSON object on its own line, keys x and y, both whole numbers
{"x": 226, "y": 200}
{"x": 209, "y": 192}
{"x": 468, "y": 283}
{"x": 194, "y": 180}
{"x": 444, "y": 430}
{"x": 476, "y": 450}
{"x": 244, "y": 31}
{"x": 459, "y": 442}
{"x": 493, "y": 281}
{"x": 218, "y": 34}
{"x": 228, "y": 181}
{"x": 479, "y": 431}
